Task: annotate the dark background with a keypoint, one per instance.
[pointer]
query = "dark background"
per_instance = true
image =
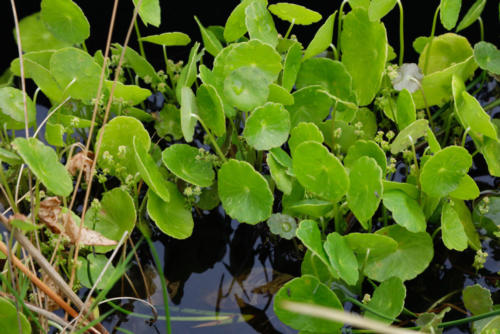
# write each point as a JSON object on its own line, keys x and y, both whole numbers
{"x": 178, "y": 16}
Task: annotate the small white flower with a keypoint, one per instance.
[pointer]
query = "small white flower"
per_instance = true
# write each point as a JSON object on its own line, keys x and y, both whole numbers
{"x": 409, "y": 77}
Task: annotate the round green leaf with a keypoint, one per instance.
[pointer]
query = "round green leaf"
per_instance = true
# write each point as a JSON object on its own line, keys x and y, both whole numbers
{"x": 168, "y": 39}
{"x": 329, "y": 74}
{"x": 453, "y": 232}
{"x": 181, "y": 159}
{"x": 173, "y": 218}
{"x": 90, "y": 268}
{"x": 319, "y": 171}
{"x": 65, "y": 20}
{"x": 362, "y": 148}
{"x": 244, "y": 193}
{"x": 466, "y": 219}
{"x": 267, "y": 127}
{"x": 313, "y": 207}
{"x": 477, "y": 299}
{"x": 76, "y": 72}
{"x": 365, "y": 189}
{"x": 405, "y": 111}
{"x": 291, "y": 67}
{"x": 312, "y": 265}
{"x": 149, "y": 11}
{"x": 54, "y": 133}
{"x": 282, "y": 225}
{"x": 9, "y": 318}
{"x": 304, "y": 132}
{"x": 405, "y": 210}
{"x": 44, "y": 163}
{"x": 235, "y": 25}
{"x": 448, "y": 13}
{"x": 322, "y": 39}
{"x": 307, "y": 289}
{"x": 130, "y": 94}
{"x": 117, "y": 141}
{"x": 246, "y": 88}
{"x": 409, "y": 135}
{"x": 279, "y": 175}
{"x": 189, "y": 111}
{"x": 210, "y": 41}
{"x": 380, "y": 8}
{"x": 279, "y": 94}
{"x": 388, "y": 299}
{"x": 114, "y": 215}
{"x": 311, "y": 104}
{"x": 443, "y": 172}
{"x": 370, "y": 245}
{"x": 342, "y": 258}
{"x": 35, "y": 36}
{"x": 467, "y": 189}
{"x": 150, "y": 172}
{"x": 364, "y": 53}
{"x": 12, "y": 109}
{"x": 413, "y": 255}
{"x": 310, "y": 235}
{"x": 211, "y": 109}
{"x": 347, "y": 132}
{"x": 487, "y": 56}
{"x": 295, "y": 14}
{"x": 260, "y": 24}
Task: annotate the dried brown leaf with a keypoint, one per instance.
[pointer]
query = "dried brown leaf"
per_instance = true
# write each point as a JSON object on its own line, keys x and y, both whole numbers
{"x": 87, "y": 237}
{"x": 80, "y": 161}
{"x": 50, "y": 209}
{"x": 50, "y": 304}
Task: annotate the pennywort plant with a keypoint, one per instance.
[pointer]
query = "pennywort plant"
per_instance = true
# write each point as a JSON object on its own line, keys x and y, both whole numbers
{"x": 303, "y": 135}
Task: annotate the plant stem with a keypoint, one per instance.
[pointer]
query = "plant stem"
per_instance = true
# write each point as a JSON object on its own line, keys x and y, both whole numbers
{"x": 339, "y": 27}
{"x": 138, "y": 33}
{"x": 369, "y": 309}
{"x": 481, "y": 27}
{"x": 433, "y": 31}
{"x": 10, "y": 197}
{"x": 289, "y": 29}
{"x": 492, "y": 105}
{"x": 401, "y": 34}
{"x": 213, "y": 141}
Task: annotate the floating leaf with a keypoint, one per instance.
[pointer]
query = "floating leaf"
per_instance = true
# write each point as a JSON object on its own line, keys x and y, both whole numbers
{"x": 329, "y": 74}
{"x": 443, "y": 172}
{"x": 319, "y": 171}
{"x": 44, "y": 163}
{"x": 211, "y": 109}
{"x": 35, "y": 36}
{"x": 282, "y": 225}
{"x": 454, "y": 236}
{"x": 477, "y": 299}
{"x": 267, "y": 127}
{"x": 76, "y": 72}
{"x": 295, "y": 14}
{"x": 246, "y": 88}
{"x": 302, "y": 133}
{"x": 448, "y": 13}
{"x": 181, "y": 159}
{"x": 168, "y": 39}
{"x": 362, "y": 148}
{"x": 260, "y": 24}
{"x": 470, "y": 112}
{"x": 307, "y": 289}
{"x": 413, "y": 255}
{"x": 117, "y": 141}
{"x": 244, "y": 193}
{"x": 65, "y": 20}
{"x": 409, "y": 135}
{"x": 310, "y": 235}
{"x": 150, "y": 172}
{"x": 210, "y": 42}
{"x": 370, "y": 245}
{"x": 405, "y": 210}
{"x": 189, "y": 112}
{"x": 322, "y": 39}
{"x": 89, "y": 269}
{"x": 235, "y": 24}
{"x": 380, "y": 8}
{"x": 10, "y": 318}
{"x": 487, "y": 57}
{"x": 364, "y": 53}
{"x": 311, "y": 104}
{"x": 406, "y": 112}
{"x": 291, "y": 66}
{"x": 12, "y": 109}
{"x": 342, "y": 258}
{"x": 149, "y": 11}
{"x": 365, "y": 189}
{"x": 472, "y": 14}
{"x": 173, "y": 218}
{"x": 388, "y": 299}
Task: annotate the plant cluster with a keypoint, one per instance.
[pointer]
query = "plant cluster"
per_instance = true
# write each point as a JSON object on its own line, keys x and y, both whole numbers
{"x": 306, "y": 137}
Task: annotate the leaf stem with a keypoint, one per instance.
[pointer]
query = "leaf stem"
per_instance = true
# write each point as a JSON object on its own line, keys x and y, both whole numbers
{"x": 369, "y": 309}
{"x": 481, "y": 27}
{"x": 212, "y": 140}
{"x": 138, "y": 33}
{"x": 339, "y": 27}
{"x": 289, "y": 29}
{"x": 401, "y": 33}
{"x": 433, "y": 31}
